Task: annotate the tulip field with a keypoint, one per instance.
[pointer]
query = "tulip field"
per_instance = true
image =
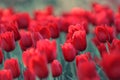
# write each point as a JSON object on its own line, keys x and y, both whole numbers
{"x": 78, "y": 44}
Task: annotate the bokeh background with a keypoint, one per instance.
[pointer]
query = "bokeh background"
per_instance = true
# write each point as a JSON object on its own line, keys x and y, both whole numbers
{"x": 59, "y": 5}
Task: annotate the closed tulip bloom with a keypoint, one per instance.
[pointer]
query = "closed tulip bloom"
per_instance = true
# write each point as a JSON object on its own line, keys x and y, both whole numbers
{"x": 12, "y": 65}
{"x": 87, "y": 71}
{"x": 54, "y": 30}
{"x": 50, "y": 51}
{"x": 27, "y": 55}
{"x": 73, "y": 28}
{"x": 104, "y": 33}
{"x": 43, "y": 30}
{"x": 56, "y": 68}
{"x": 101, "y": 33}
{"x": 26, "y": 40}
{"x": 7, "y": 41}
{"x": 36, "y": 37}
{"x": 79, "y": 40}
{"x": 111, "y": 66}
{"x": 69, "y": 52}
{"x": 12, "y": 26}
{"x": 5, "y": 75}
{"x": 28, "y": 75}
{"x": 23, "y": 20}
{"x": 38, "y": 66}
{"x": 83, "y": 58}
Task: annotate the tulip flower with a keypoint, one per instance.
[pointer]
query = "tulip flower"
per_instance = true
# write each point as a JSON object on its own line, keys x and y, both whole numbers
{"x": 56, "y": 68}
{"x": 12, "y": 65}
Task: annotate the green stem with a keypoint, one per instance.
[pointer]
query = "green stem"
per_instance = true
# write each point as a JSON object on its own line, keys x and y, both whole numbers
{"x": 6, "y": 55}
{"x": 18, "y": 52}
{"x": 50, "y": 73}
{"x": 107, "y": 48}
{"x": 72, "y": 70}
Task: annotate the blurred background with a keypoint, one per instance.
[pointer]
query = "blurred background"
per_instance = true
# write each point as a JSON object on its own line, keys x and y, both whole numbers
{"x": 59, "y": 5}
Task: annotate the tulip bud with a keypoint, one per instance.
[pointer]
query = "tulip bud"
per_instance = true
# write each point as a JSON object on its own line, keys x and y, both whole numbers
{"x": 54, "y": 30}
{"x": 28, "y": 75}
{"x": 27, "y": 55}
{"x": 56, "y": 68}
{"x": 111, "y": 66}
{"x": 23, "y": 20}
{"x": 12, "y": 65}
{"x": 87, "y": 71}
{"x": 26, "y": 40}
{"x": 7, "y": 41}
{"x": 5, "y": 75}
{"x": 12, "y": 26}
{"x": 69, "y": 52}
{"x": 43, "y": 30}
{"x": 81, "y": 58}
{"x": 79, "y": 40}
{"x": 38, "y": 65}
{"x": 50, "y": 51}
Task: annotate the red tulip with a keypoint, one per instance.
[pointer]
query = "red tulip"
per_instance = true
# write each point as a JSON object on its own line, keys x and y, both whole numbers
{"x": 56, "y": 68}
{"x": 23, "y": 20}
{"x": 97, "y": 7}
{"x": 79, "y": 40}
{"x": 27, "y": 55}
{"x": 12, "y": 65}
{"x": 7, "y": 41}
{"x": 8, "y": 12}
{"x": 87, "y": 71}
{"x": 28, "y": 75}
{"x": 43, "y": 30}
{"x": 36, "y": 37}
{"x": 49, "y": 9}
{"x": 12, "y": 26}
{"x": 38, "y": 65}
{"x": 91, "y": 17}
{"x": 54, "y": 30}
{"x": 82, "y": 58}
{"x": 73, "y": 28}
{"x": 64, "y": 24}
{"x": 69, "y": 52}
{"x": 50, "y": 51}
{"x": 78, "y": 12}
{"x": 114, "y": 47}
{"x": 110, "y": 64}
{"x": 104, "y": 33}
{"x": 26, "y": 40}
{"x": 5, "y": 75}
